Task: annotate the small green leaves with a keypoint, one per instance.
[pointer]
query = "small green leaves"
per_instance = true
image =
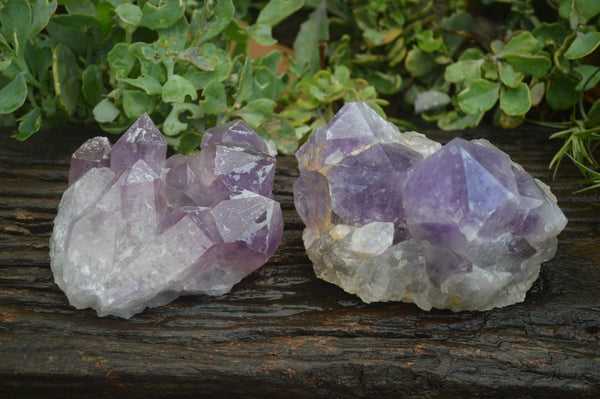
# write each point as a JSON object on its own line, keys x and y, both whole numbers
{"x": 584, "y": 44}
{"x": 173, "y": 124}
{"x": 515, "y": 101}
{"x": 105, "y": 111}
{"x": 163, "y": 15}
{"x": 480, "y": 96}
{"x": 120, "y": 60}
{"x": 306, "y": 45}
{"x": 465, "y": 70}
{"x": 42, "y": 11}
{"x": 257, "y": 111}
{"x": 561, "y": 92}
{"x": 15, "y": 20}
{"x": 524, "y": 43}
{"x": 177, "y": 88}
{"x": 13, "y": 95}
{"x": 67, "y": 78}
{"x": 29, "y": 124}
{"x": 508, "y": 75}
{"x": 207, "y": 22}
{"x": 534, "y": 65}
{"x": 215, "y": 101}
{"x": 129, "y": 13}
{"x": 136, "y": 103}
{"x": 428, "y": 42}
{"x": 276, "y": 11}
{"x": 590, "y": 76}
{"x": 92, "y": 86}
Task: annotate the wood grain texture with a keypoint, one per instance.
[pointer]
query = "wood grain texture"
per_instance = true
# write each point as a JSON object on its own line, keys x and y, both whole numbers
{"x": 282, "y": 332}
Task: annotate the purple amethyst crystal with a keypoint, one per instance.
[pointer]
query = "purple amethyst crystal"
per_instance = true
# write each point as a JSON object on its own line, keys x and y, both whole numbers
{"x": 135, "y": 229}
{"x": 394, "y": 216}
{"x": 94, "y": 153}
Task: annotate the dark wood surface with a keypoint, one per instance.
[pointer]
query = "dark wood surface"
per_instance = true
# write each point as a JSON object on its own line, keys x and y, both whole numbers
{"x": 281, "y": 332}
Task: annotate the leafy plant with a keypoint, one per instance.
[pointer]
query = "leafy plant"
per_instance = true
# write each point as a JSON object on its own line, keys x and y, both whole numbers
{"x": 184, "y": 63}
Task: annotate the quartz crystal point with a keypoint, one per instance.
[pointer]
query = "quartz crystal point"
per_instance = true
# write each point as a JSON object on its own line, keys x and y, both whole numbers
{"x": 135, "y": 229}
{"x": 394, "y": 216}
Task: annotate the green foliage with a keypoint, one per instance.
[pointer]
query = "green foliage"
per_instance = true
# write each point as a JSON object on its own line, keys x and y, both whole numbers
{"x": 188, "y": 65}
{"x": 189, "y": 68}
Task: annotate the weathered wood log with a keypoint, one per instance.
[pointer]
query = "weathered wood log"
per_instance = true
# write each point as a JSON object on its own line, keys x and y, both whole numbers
{"x": 282, "y": 332}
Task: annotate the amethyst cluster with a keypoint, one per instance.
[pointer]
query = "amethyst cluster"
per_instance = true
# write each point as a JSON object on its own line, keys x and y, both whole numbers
{"x": 395, "y": 216}
{"x": 135, "y": 229}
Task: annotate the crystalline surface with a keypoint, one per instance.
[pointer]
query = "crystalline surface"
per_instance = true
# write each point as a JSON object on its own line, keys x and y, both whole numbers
{"x": 136, "y": 230}
{"x": 394, "y": 216}
{"x": 94, "y": 153}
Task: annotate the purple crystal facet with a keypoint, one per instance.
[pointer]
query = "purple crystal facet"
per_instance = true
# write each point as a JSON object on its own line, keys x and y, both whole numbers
{"x": 395, "y": 216}
{"x": 94, "y": 153}
{"x": 145, "y": 230}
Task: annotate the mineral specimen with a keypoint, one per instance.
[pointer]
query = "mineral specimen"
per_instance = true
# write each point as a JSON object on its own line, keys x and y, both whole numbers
{"x": 395, "y": 216}
{"x": 135, "y": 229}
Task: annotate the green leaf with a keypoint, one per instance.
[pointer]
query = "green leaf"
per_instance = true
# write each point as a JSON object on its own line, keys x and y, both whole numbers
{"x": 13, "y": 95}
{"x": 465, "y": 70}
{"x": 177, "y": 88}
{"x": 105, "y": 111}
{"x": 418, "y": 63}
{"x": 147, "y": 83}
{"x": 174, "y": 37}
{"x": 523, "y": 43}
{"x": 120, "y": 60}
{"x": 534, "y": 65}
{"x": 480, "y": 96}
{"x": 427, "y": 42}
{"x": 42, "y": 11}
{"x": 510, "y": 121}
{"x": 266, "y": 84}
{"x": 173, "y": 124}
{"x": 215, "y": 101}
{"x": 508, "y": 75}
{"x": 67, "y": 78}
{"x": 306, "y": 45}
{"x": 496, "y": 46}
{"x": 221, "y": 71}
{"x": 162, "y": 16}
{"x": 30, "y": 124}
{"x": 386, "y": 84}
{"x": 244, "y": 89}
{"x": 458, "y": 21}
{"x": 515, "y": 101}
{"x": 587, "y": 9}
{"x": 148, "y": 67}
{"x": 257, "y": 111}
{"x": 590, "y": 76}
{"x": 207, "y": 22}
{"x": 189, "y": 143}
{"x": 262, "y": 34}
{"x": 560, "y": 61}
{"x": 276, "y": 11}
{"x": 196, "y": 56}
{"x": 537, "y": 93}
{"x": 92, "y": 86}
{"x": 471, "y": 54}
{"x": 129, "y": 13}
{"x": 561, "y": 92}
{"x": 594, "y": 111}
{"x": 554, "y": 33}
{"x": 455, "y": 121}
{"x": 136, "y": 103}
{"x": 584, "y": 44}
{"x": 15, "y": 20}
